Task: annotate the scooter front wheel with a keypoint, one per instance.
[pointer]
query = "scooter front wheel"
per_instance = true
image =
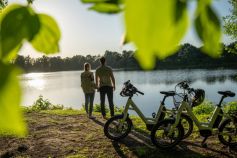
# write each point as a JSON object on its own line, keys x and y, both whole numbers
{"x": 228, "y": 132}
{"x": 116, "y": 128}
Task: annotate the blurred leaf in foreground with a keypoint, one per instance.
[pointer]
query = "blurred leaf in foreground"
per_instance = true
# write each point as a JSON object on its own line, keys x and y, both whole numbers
{"x": 93, "y": 1}
{"x": 105, "y": 6}
{"x": 30, "y": 1}
{"x": 208, "y": 28}
{"x": 155, "y": 27}
{"x": 47, "y": 40}
{"x": 3, "y": 4}
{"x": 11, "y": 118}
{"x": 16, "y": 24}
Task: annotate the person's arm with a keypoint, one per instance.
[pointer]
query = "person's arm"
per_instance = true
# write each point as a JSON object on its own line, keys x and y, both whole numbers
{"x": 92, "y": 77}
{"x": 113, "y": 79}
{"x": 82, "y": 81}
{"x": 96, "y": 79}
{"x": 93, "y": 80}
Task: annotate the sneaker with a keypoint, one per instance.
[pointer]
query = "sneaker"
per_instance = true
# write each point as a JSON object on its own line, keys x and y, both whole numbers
{"x": 91, "y": 117}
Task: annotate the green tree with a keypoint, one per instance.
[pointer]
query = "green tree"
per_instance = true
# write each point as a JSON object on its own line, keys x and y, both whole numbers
{"x": 127, "y": 61}
{"x": 230, "y": 21}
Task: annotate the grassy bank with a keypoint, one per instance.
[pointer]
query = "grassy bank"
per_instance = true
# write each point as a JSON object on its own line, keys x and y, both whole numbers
{"x": 203, "y": 112}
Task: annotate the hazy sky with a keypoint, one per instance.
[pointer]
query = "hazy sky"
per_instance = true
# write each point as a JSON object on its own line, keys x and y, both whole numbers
{"x": 87, "y": 32}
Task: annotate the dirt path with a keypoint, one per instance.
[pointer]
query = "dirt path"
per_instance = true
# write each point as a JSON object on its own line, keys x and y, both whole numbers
{"x": 77, "y": 136}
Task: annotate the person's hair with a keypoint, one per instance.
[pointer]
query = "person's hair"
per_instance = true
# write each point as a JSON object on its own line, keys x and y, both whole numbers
{"x": 102, "y": 60}
{"x": 87, "y": 67}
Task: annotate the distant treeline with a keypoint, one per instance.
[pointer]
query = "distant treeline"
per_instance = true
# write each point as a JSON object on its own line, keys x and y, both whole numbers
{"x": 188, "y": 56}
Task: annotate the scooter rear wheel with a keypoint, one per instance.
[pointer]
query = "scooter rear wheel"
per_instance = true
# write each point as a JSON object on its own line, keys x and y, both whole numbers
{"x": 228, "y": 132}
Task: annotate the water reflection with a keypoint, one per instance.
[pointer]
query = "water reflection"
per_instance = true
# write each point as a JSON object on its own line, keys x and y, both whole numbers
{"x": 173, "y": 76}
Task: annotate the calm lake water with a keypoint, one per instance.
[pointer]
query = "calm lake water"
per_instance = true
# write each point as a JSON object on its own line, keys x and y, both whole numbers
{"x": 64, "y": 87}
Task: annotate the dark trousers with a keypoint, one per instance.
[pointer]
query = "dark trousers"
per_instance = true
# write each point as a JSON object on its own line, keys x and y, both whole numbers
{"x": 89, "y": 98}
{"x": 106, "y": 90}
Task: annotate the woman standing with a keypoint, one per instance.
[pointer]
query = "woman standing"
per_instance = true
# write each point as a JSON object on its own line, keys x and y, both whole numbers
{"x": 88, "y": 86}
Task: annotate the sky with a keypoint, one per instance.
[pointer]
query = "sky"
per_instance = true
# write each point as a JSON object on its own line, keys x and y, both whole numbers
{"x": 87, "y": 32}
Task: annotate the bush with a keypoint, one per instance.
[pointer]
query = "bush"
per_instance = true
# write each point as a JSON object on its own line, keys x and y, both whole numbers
{"x": 205, "y": 108}
{"x": 45, "y": 104}
{"x": 231, "y": 107}
{"x": 97, "y": 108}
{"x": 118, "y": 109}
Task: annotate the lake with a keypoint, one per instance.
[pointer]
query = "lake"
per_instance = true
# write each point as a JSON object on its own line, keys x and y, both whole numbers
{"x": 65, "y": 87}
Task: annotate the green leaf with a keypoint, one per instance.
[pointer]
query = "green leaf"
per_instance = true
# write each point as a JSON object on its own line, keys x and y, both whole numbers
{"x": 208, "y": 29}
{"x": 180, "y": 9}
{"x": 125, "y": 39}
{"x": 155, "y": 28}
{"x": 11, "y": 118}
{"x": 30, "y": 1}
{"x": 16, "y": 24}
{"x": 47, "y": 40}
{"x": 106, "y": 8}
{"x": 103, "y": 1}
{"x": 93, "y": 1}
{"x": 3, "y": 4}
{"x": 13, "y": 54}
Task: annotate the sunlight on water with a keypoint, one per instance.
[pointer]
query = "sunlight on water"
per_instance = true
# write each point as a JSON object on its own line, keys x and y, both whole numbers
{"x": 35, "y": 80}
{"x": 37, "y": 83}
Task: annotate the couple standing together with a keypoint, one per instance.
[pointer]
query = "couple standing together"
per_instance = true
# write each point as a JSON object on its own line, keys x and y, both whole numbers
{"x": 105, "y": 83}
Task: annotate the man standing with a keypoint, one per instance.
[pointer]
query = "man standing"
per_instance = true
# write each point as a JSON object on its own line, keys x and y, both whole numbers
{"x": 106, "y": 83}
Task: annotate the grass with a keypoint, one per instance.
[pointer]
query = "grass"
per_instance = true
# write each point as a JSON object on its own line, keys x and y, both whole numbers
{"x": 77, "y": 156}
{"x": 139, "y": 125}
{"x": 66, "y": 112}
{"x": 203, "y": 112}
